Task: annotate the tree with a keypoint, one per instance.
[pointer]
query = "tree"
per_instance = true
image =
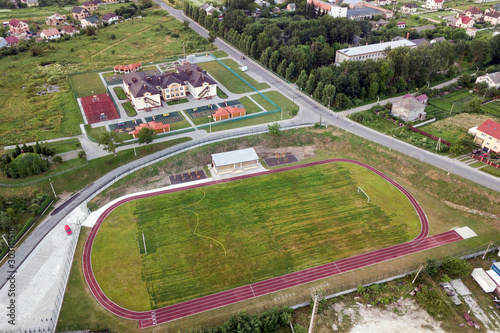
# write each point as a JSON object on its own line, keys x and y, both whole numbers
{"x": 211, "y": 38}
{"x": 146, "y": 135}
{"x": 109, "y": 140}
{"x": 475, "y": 105}
{"x": 301, "y": 81}
{"x": 328, "y": 94}
{"x": 38, "y": 149}
{"x": 282, "y": 68}
{"x": 36, "y": 50}
{"x": 432, "y": 266}
{"x": 457, "y": 149}
{"x": 318, "y": 92}
{"x": 274, "y": 129}
{"x": 291, "y": 71}
{"x": 456, "y": 266}
{"x": 310, "y": 84}
{"x": 273, "y": 61}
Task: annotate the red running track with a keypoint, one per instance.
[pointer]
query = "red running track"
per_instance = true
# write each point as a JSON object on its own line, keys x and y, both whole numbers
{"x": 150, "y": 318}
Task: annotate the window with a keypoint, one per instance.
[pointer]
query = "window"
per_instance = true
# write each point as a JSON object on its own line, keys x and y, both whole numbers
{"x": 482, "y": 134}
{"x": 489, "y": 138}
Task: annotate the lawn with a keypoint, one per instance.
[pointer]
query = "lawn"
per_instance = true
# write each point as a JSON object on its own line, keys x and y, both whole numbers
{"x": 87, "y": 84}
{"x": 250, "y": 106}
{"x": 220, "y": 93}
{"x": 230, "y": 81}
{"x": 492, "y": 108}
{"x": 129, "y": 108}
{"x": 204, "y": 241}
{"x": 63, "y": 146}
{"x": 263, "y": 102}
{"x": 476, "y": 164}
{"x": 26, "y": 116}
{"x": 235, "y": 67}
{"x": 443, "y": 104}
{"x": 491, "y": 170}
{"x": 178, "y": 101}
{"x": 289, "y": 107}
{"x": 120, "y": 93}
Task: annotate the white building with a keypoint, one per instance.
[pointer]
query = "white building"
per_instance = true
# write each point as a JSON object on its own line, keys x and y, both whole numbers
{"x": 492, "y": 79}
{"x": 434, "y": 4}
{"x": 373, "y": 51}
{"x": 51, "y": 34}
{"x": 332, "y": 10}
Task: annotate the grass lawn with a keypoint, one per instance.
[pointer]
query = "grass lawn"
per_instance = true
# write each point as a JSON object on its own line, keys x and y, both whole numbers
{"x": 492, "y": 108}
{"x": 266, "y": 118}
{"x": 287, "y": 105}
{"x": 203, "y": 241}
{"x": 250, "y": 106}
{"x": 129, "y": 108}
{"x": 120, "y": 93}
{"x": 235, "y": 67}
{"x": 230, "y": 81}
{"x": 63, "y": 146}
{"x": 491, "y": 170}
{"x": 27, "y": 117}
{"x": 476, "y": 164}
{"x": 95, "y": 132}
{"x": 263, "y": 102}
{"x": 219, "y": 54}
{"x": 178, "y": 101}
{"x": 220, "y": 93}
{"x": 87, "y": 84}
{"x": 179, "y": 124}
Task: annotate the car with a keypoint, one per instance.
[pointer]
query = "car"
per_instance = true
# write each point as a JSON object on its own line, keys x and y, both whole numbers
{"x": 68, "y": 229}
{"x": 484, "y": 155}
{"x": 475, "y": 151}
{"x": 244, "y": 68}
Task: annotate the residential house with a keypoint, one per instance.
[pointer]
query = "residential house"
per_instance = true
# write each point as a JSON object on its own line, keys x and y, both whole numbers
{"x": 408, "y": 109}
{"x": 125, "y": 69}
{"x": 90, "y": 6}
{"x": 279, "y": 2}
{"x": 401, "y": 25}
{"x": 496, "y": 7}
{"x": 424, "y": 27}
{"x": 471, "y": 32}
{"x": 262, "y": 3}
{"x": 32, "y": 3}
{"x": 17, "y": 27}
{"x": 80, "y": 13}
{"x": 110, "y": 1}
{"x": 492, "y": 17}
{"x": 330, "y": 9}
{"x": 208, "y": 8}
{"x": 276, "y": 10}
{"x": 492, "y": 79}
{"x": 291, "y": 7}
{"x": 379, "y": 23}
{"x": 421, "y": 42}
{"x": 409, "y": 8}
{"x": 56, "y": 20}
{"x": 199, "y": 84}
{"x": 473, "y": 12}
{"x": 69, "y": 30}
{"x": 157, "y": 127}
{"x": 110, "y": 18}
{"x": 464, "y": 22}
{"x": 3, "y": 42}
{"x": 488, "y": 136}
{"x": 12, "y": 40}
{"x": 438, "y": 40}
{"x": 434, "y": 4}
{"x": 91, "y": 21}
{"x": 50, "y": 34}
{"x": 373, "y": 51}
{"x": 421, "y": 98}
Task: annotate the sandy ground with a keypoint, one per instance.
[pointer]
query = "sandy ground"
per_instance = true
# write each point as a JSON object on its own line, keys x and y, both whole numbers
{"x": 401, "y": 316}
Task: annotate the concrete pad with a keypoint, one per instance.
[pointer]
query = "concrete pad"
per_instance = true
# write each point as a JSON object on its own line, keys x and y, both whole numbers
{"x": 466, "y": 232}
{"x": 40, "y": 282}
{"x": 460, "y": 287}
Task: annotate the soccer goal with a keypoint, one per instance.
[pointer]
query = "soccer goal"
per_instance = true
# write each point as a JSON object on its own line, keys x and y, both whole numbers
{"x": 360, "y": 189}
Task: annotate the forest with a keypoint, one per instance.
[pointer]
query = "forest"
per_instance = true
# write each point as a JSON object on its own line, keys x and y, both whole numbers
{"x": 300, "y": 47}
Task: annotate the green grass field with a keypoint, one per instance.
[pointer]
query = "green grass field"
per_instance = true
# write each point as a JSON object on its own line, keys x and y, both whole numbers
{"x": 129, "y": 108}
{"x": 87, "y": 84}
{"x": 250, "y": 106}
{"x": 207, "y": 240}
{"x": 120, "y": 93}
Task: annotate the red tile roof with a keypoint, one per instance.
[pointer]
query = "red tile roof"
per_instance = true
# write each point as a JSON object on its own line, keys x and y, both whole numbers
{"x": 220, "y": 113}
{"x": 51, "y": 32}
{"x": 14, "y": 22}
{"x": 11, "y": 40}
{"x": 465, "y": 19}
{"x": 154, "y": 125}
{"x": 322, "y": 5}
{"x": 491, "y": 128}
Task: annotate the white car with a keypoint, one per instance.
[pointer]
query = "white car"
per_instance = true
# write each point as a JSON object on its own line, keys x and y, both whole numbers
{"x": 244, "y": 68}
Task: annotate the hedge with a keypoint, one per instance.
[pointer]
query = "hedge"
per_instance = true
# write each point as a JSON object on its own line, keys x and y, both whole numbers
{"x": 44, "y": 205}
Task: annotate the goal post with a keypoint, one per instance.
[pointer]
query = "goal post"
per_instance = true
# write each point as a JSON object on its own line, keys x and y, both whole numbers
{"x": 360, "y": 189}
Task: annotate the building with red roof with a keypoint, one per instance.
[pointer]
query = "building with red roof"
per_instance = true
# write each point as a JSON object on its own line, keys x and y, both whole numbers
{"x": 488, "y": 136}
{"x": 330, "y": 9}
{"x": 124, "y": 69}
{"x": 421, "y": 98}
{"x": 12, "y": 40}
{"x": 434, "y": 4}
{"x": 157, "y": 127}
{"x": 464, "y": 22}
{"x": 228, "y": 112}
{"x": 69, "y": 30}
{"x": 51, "y": 34}
{"x": 18, "y": 27}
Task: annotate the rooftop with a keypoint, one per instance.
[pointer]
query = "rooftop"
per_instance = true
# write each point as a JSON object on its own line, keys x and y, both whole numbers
{"x": 235, "y": 156}
{"x": 354, "y": 51}
{"x": 491, "y": 128}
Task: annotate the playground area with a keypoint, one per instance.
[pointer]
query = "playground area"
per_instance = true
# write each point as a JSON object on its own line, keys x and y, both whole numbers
{"x": 125, "y": 126}
{"x": 280, "y": 159}
{"x": 99, "y": 108}
{"x": 165, "y": 118}
{"x": 207, "y": 110}
{"x": 187, "y": 177}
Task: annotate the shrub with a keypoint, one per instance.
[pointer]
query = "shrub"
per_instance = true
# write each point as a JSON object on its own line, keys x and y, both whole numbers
{"x": 175, "y": 35}
{"x": 81, "y": 154}
{"x": 44, "y": 205}
{"x": 57, "y": 159}
{"x": 26, "y": 165}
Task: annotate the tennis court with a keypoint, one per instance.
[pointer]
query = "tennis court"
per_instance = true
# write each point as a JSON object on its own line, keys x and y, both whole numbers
{"x": 99, "y": 108}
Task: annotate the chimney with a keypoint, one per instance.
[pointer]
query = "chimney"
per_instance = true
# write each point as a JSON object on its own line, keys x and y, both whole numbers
{"x": 134, "y": 79}
{"x": 407, "y": 35}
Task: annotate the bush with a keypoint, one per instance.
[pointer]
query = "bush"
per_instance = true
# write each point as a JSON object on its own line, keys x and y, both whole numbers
{"x": 44, "y": 205}
{"x": 25, "y": 165}
{"x": 274, "y": 129}
{"x": 175, "y": 35}
{"x": 81, "y": 154}
{"x": 26, "y": 226}
{"x": 456, "y": 266}
{"x": 57, "y": 159}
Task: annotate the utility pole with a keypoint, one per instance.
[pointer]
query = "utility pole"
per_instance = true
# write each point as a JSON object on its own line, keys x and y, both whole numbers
{"x": 135, "y": 153}
{"x": 452, "y": 108}
{"x": 452, "y": 165}
{"x": 184, "y": 50}
{"x": 3, "y": 236}
{"x": 487, "y": 250}
{"x": 392, "y": 140}
{"x": 316, "y": 297}
{"x": 52, "y": 186}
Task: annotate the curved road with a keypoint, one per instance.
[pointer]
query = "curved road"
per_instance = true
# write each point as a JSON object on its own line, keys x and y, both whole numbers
{"x": 154, "y": 317}
{"x": 311, "y": 112}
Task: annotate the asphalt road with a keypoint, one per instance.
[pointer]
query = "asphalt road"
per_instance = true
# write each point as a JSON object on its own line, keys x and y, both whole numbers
{"x": 311, "y": 112}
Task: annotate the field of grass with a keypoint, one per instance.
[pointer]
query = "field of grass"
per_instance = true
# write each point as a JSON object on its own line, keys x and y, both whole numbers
{"x": 289, "y": 107}
{"x": 250, "y": 106}
{"x": 178, "y": 101}
{"x": 204, "y": 241}
{"x": 266, "y": 118}
{"x": 234, "y": 66}
{"x": 491, "y": 170}
{"x": 27, "y": 117}
{"x": 63, "y": 146}
{"x": 443, "y": 104}
{"x": 87, "y": 84}
{"x": 179, "y": 124}
{"x": 129, "y": 108}
{"x": 263, "y": 102}
{"x": 476, "y": 164}
{"x": 492, "y": 108}
{"x": 220, "y": 93}
{"x": 120, "y": 93}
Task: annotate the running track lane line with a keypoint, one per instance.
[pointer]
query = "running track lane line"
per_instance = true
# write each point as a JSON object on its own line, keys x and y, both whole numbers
{"x": 268, "y": 286}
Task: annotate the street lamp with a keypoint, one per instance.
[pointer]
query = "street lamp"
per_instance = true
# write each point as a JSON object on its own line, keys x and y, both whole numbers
{"x": 378, "y": 99}
{"x": 52, "y": 186}
{"x": 392, "y": 140}
{"x": 8, "y": 245}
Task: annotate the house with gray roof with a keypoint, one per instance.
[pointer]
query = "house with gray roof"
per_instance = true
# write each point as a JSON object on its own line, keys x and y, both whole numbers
{"x": 373, "y": 51}
{"x": 408, "y": 109}
{"x": 3, "y": 42}
{"x": 424, "y": 27}
{"x": 492, "y": 79}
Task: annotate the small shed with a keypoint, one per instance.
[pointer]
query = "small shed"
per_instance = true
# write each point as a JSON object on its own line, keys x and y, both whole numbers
{"x": 483, "y": 279}
{"x": 235, "y": 160}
